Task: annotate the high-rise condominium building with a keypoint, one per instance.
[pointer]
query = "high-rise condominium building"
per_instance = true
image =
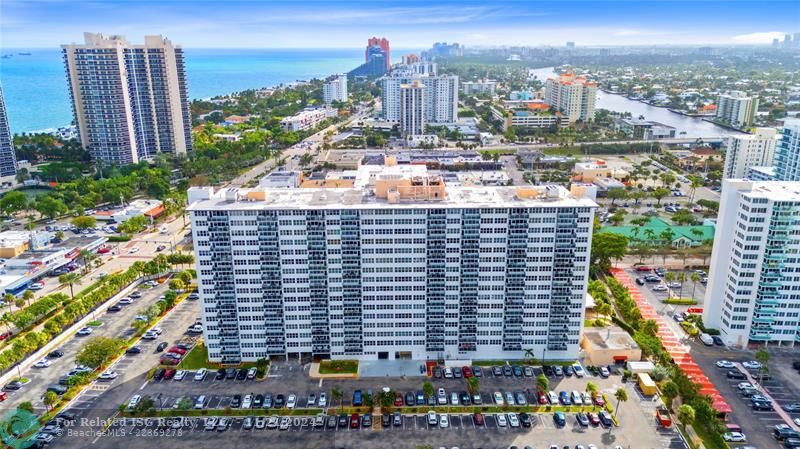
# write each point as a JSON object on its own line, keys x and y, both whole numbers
{"x": 130, "y": 101}
{"x": 8, "y": 160}
{"x": 749, "y": 150}
{"x": 381, "y": 43}
{"x": 397, "y": 266}
{"x": 737, "y": 109}
{"x": 412, "y": 108}
{"x": 335, "y": 89}
{"x": 572, "y": 95}
{"x": 753, "y": 291}
{"x": 441, "y": 96}
{"x": 787, "y": 154}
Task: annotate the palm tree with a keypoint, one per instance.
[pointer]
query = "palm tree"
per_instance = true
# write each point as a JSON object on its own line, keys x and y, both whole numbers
{"x": 69, "y": 279}
{"x": 542, "y": 382}
{"x": 695, "y": 279}
{"x": 28, "y": 296}
{"x": 621, "y": 395}
{"x": 336, "y": 394}
{"x": 9, "y": 299}
{"x": 87, "y": 257}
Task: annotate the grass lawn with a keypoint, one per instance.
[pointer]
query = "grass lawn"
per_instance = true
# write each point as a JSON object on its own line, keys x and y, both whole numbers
{"x": 338, "y": 367}
{"x": 196, "y": 358}
{"x": 95, "y": 323}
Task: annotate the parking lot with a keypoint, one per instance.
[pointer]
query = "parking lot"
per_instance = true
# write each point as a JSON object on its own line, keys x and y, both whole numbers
{"x": 688, "y": 289}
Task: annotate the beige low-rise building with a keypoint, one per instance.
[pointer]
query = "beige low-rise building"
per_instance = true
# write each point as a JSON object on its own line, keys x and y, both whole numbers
{"x": 609, "y": 345}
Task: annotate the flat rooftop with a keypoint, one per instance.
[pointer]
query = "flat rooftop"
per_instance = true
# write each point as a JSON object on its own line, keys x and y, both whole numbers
{"x": 772, "y": 190}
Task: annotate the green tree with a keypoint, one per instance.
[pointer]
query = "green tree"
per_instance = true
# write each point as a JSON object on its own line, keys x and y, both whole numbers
{"x": 473, "y": 385}
{"x": 617, "y": 194}
{"x": 618, "y": 217}
{"x": 27, "y": 406}
{"x": 13, "y": 202}
{"x": 659, "y": 194}
{"x": 607, "y": 246}
{"x": 28, "y": 296}
{"x": 133, "y": 225}
{"x": 98, "y": 351}
{"x": 177, "y": 284}
{"x": 336, "y": 394}
{"x": 686, "y": 414}
{"x": 185, "y": 404}
{"x": 427, "y": 389}
{"x": 695, "y": 280}
{"x": 84, "y": 222}
{"x": 762, "y": 356}
{"x": 670, "y": 391}
{"x": 591, "y": 387}
{"x": 542, "y": 382}
{"x": 50, "y": 207}
{"x": 261, "y": 367}
{"x": 69, "y": 279}
{"x": 621, "y": 395}
{"x": 50, "y": 399}
{"x": 87, "y": 257}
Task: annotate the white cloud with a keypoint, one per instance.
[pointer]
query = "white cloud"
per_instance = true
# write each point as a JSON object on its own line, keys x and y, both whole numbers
{"x": 765, "y": 37}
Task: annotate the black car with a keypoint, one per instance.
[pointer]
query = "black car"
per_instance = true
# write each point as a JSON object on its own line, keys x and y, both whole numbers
{"x": 220, "y": 374}
{"x": 582, "y": 419}
{"x": 525, "y": 419}
{"x": 497, "y": 371}
{"x": 761, "y": 405}
{"x": 236, "y": 401}
{"x": 736, "y": 375}
{"x": 507, "y": 371}
{"x": 437, "y": 372}
{"x": 133, "y": 350}
{"x": 547, "y": 370}
{"x": 568, "y": 371}
{"x": 279, "y": 401}
{"x": 158, "y": 375}
{"x": 114, "y": 308}
{"x": 386, "y": 420}
{"x": 366, "y": 421}
{"x": 66, "y": 416}
{"x": 464, "y": 397}
{"x": 57, "y": 389}
{"x": 410, "y": 399}
{"x": 605, "y": 419}
{"x": 397, "y": 420}
{"x": 517, "y": 370}
{"x": 162, "y": 346}
{"x": 783, "y": 433}
{"x": 343, "y": 421}
{"x": 477, "y": 371}
{"x": 55, "y": 354}
{"x": 242, "y": 375}
{"x": 420, "y": 398}
{"x": 640, "y": 281}
{"x": 230, "y": 373}
{"x": 791, "y": 443}
{"x": 64, "y": 380}
{"x": 13, "y": 385}
{"x": 717, "y": 340}
{"x": 258, "y": 400}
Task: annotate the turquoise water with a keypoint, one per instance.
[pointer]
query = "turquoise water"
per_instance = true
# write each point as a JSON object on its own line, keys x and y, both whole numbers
{"x": 37, "y": 96}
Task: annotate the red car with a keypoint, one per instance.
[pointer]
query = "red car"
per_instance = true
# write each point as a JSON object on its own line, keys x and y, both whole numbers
{"x": 594, "y": 418}
{"x": 543, "y": 398}
{"x": 354, "y": 421}
{"x": 598, "y": 400}
{"x": 643, "y": 268}
{"x": 5, "y": 335}
{"x": 169, "y": 374}
{"x": 398, "y": 400}
{"x": 103, "y": 250}
{"x": 477, "y": 418}
{"x": 177, "y": 350}
{"x": 169, "y": 361}
{"x": 467, "y": 371}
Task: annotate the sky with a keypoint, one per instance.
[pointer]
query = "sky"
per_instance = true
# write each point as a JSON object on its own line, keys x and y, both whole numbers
{"x": 407, "y": 24}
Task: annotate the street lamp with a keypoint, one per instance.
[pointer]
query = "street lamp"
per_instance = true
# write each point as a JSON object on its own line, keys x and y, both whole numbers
{"x": 160, "y": 403}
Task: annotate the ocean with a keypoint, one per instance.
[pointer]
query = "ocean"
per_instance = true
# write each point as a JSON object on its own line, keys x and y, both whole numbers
{"x": 37, "y": 96}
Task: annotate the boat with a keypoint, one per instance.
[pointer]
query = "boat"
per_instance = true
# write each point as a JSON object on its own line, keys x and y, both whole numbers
{"x": 24, "y": 54}
{"x": 6, "y": 56}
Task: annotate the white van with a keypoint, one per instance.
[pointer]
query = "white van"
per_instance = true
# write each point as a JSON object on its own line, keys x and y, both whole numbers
{"x": 706, "y": 339}
{"x": 200, "y": 402}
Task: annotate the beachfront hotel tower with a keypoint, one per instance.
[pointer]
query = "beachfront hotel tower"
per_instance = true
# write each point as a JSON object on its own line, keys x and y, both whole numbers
{"x": 130, "y": 102}
{"x": 397, "y": 265}
{"x": 787, "y": 155}
{"x": 8, "y": 160}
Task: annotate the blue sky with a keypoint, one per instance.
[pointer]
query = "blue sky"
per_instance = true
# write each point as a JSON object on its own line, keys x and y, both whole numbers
{"x": 407, "y": 24}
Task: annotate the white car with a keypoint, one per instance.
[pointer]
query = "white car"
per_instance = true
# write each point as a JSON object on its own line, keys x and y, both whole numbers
{"x": 510, "y": 398}
{"x": 513, "y": 421}
{"x": 432, "y": 418}
{"x": 448, "y": 373}
{"x": 125, "y": 301}
{"x": 444, "y": 421}
{"x": 752, "y": 364}
{"x": 323, "y": 400}
{"x": 251, "y": 373}
{"x": 109, "y": 375}
{"x": 247, "y": 401}
{"x": 176, "y": 423}
{"x": 285, "y": 423}
{"x": 725, "y": 364}
{"x": 745, "y": 386}
{"x": 291, "y": 401}
{"x": 735, "y": 437}
{"x": 660, "y": 288}
{"x": 36, "y": 286}
{"x": 501, "y": 420}
{"x": 200, "y": 375}
{"x": 134, "y": 400}
{"x": 149, "y": 336}
{"x": 674, "y": 284}
{"x": 211, "y": 423}
{"x": 156, "y": 330}
{"x": 44, "y": 363}
{"x": 179, "y": 375}
{"x": 441, "y": 397}
{"x": 498, "y": 398}
{"x": 85, "y": 331}
{"x": 133, "y": 250}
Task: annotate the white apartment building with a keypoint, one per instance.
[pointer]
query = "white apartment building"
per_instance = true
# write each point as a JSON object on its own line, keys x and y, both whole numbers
{"x": 572, "y": 95}
{"x": 787, "y": 155}
{"x": 412, "y": 109}
{"x": 441, "y": 97}
{"x": 307, "y": 119}
{"x": 743, "y": 151}
{"x": 399, "y": 266}
{"x": 528, "y": 119}
{"x": 335, "y": 89}
{"x": 130, "y": 101}
{"x": 479, "y": 87}
{"x": 753, "y": 292}
{"x": 737, "y": 109}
